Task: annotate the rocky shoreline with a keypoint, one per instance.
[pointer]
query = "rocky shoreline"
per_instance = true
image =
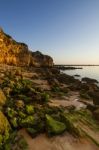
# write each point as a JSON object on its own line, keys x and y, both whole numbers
{"x": 41, "y": 107}
{"x": 63, "y": 67}
{"x": 44, "y": 100}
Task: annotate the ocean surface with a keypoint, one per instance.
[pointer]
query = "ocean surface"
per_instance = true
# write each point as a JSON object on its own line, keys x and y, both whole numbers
{"x": 87, "y": 71}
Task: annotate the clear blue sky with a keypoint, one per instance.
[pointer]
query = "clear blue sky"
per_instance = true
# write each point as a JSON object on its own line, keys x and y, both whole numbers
{"x": 68, "y": 30}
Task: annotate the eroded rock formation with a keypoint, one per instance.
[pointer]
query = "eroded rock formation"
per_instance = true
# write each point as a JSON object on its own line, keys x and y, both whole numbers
{"x": 15, "y": 53}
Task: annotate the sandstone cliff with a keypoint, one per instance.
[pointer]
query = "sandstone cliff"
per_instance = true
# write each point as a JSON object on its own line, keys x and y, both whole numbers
{"x": 15, "y": 53}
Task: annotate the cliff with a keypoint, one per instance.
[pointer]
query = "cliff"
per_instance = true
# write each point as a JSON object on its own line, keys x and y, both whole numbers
{"x": 16, "y": 53}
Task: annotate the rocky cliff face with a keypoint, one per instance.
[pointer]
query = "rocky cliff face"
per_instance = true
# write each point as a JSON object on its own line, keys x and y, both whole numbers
{"x": 15, "y": 53}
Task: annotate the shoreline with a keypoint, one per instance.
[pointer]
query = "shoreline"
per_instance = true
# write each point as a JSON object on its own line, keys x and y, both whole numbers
{"x": 50, "y": 96}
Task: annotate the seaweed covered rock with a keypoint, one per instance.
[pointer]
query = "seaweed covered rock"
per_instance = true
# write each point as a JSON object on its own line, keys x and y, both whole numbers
{"x": 71, "y": 124}
{"x": 11, "y": 112}
{"x": 2, "y": 97}
{"x": 33, "y": 132}
{"x": 45, "y": 97}
{"x": 15, "y": 142}
{"x": 29, "y": 109}
{"x": 4, "y": 128}
{"x": 14, "y": 122}
{"x": 53, "y": 126}
{"x": 29, "y": 121}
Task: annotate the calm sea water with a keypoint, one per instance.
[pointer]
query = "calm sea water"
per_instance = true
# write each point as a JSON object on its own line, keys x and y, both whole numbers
{"x": 87, "y": 71}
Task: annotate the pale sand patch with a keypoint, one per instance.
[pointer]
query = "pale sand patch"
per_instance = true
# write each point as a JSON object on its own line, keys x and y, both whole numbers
{"x": 29, "y": 74}
{"x": 42, "y": 84}
{"x": 73, "y": 99}
{"x": 77, "y": 104}
{"x": 63, "y": 142}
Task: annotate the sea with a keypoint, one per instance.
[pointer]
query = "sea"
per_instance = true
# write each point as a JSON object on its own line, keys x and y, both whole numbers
{"x": 86, "y": 71}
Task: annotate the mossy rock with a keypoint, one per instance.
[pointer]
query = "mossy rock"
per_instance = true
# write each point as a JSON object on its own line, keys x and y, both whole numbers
{"x": 14, "y": 122}
{"x": 11, "y": 112}
{"x": 45, "y": 97}
{"x": 21, "y": 114}
{"x": 54, "y": 127}
{"x": 4, "y": 128}
{"x": 15, "y": 142}
{"x": 56, "y": 89}
{"x": 29, "y": 109}
{"x": 25, "y": 98}
{"x": 32, "y": 132}
{"x": 2, "y": 98}
{"x": 71, "y": 124}
{"x": 29, "y": 121}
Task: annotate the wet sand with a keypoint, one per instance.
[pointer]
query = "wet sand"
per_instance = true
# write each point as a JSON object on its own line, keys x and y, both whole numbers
{"x": 73, "y": 100}
{"x": 62, "y": 142}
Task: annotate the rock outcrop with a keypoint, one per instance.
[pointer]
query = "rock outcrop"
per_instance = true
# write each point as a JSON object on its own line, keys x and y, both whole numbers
{"x": 15, "y": 53}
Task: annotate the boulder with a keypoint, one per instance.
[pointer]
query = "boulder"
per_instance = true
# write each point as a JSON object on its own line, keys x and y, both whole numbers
{"x": 76, "y": 75}
{"x": 29, "y": 121}
{"x": 54, "y": 126}
{"x": 89, "y": 80}
{"x": 55, "y": 70}
{"x": 84, "y": 87}
{"x": 95, "y": 96}
{"x": 66, "y": 79}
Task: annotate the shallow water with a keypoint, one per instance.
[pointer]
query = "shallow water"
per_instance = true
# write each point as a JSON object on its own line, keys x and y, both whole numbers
{"x": 87, "y": 71}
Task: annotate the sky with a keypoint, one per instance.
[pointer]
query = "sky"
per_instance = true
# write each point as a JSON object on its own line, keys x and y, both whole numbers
{"x": 67, "y": 30}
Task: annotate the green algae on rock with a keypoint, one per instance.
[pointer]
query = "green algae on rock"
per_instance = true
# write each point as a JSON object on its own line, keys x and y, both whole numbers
{"x": 29, "y": 109}
{"x": 53, "y": 126}
{"x": 4, "y": 128}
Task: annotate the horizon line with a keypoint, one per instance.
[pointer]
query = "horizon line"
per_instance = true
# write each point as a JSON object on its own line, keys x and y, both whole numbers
{"x": 76, "y": 64}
